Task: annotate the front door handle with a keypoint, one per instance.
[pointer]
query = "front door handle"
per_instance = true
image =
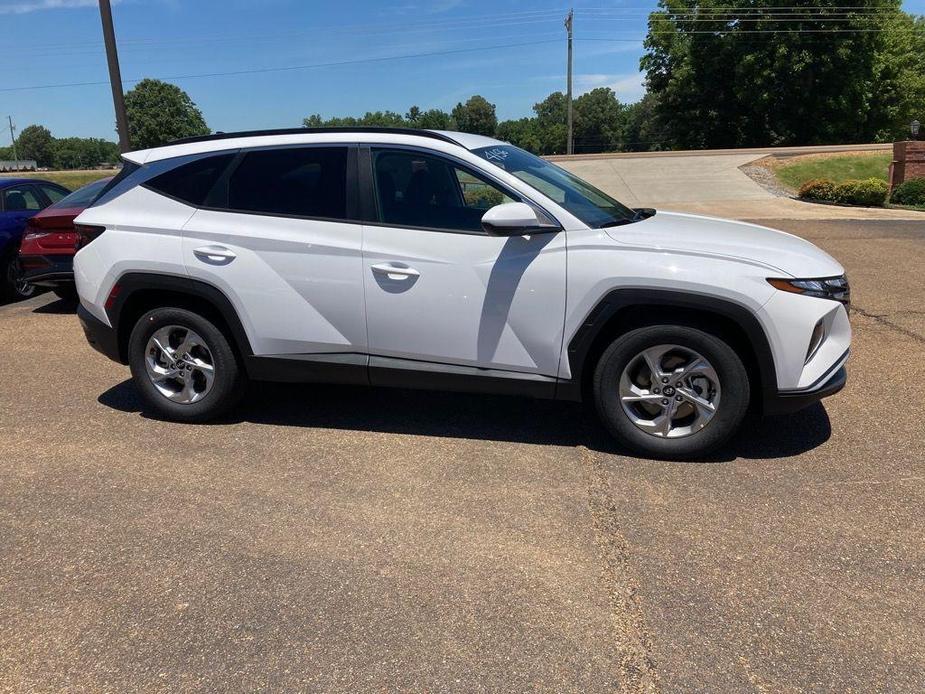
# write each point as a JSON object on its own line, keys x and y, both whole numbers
{"x": 394, "y": 271}
{"x": 215, "y": 255}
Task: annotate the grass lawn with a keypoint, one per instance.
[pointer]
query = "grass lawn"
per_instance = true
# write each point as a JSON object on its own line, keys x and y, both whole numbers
{"x": 72, "y": 180}
{"x": 794, "y": 172}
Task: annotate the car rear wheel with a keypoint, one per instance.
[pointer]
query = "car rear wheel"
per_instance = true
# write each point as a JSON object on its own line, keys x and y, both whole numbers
{"x": 15, "y": 288}
{"x": 184, "y": 366}
{"x": 672, "y": 392}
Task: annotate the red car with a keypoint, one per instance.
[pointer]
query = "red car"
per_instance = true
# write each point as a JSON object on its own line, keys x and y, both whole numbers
{"x": 46, "y": 256}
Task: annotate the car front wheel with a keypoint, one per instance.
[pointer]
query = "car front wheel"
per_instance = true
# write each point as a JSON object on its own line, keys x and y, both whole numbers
{"x": 184, "y": 366}
{"x": 673, "y": 392}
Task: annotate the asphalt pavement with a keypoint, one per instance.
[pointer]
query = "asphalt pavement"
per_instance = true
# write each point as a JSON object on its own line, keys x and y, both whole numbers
{"x": 351, "y": 539}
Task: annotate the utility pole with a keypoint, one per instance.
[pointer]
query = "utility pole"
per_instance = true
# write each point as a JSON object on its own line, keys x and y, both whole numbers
{"x": 115, "y": 76}
{"x": 568, "y": 25}
{"x": 13, "y": 138}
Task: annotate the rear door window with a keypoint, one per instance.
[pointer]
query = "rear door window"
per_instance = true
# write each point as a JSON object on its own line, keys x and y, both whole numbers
{"x": 291, "y": 181}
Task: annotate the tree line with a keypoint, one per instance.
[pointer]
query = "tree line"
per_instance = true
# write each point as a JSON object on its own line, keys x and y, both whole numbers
{"x": 36, "y": 142}
{"x": 601, "y": 122}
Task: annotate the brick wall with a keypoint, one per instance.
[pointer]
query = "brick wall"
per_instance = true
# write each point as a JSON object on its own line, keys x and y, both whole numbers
{"x": 908, "y": 162}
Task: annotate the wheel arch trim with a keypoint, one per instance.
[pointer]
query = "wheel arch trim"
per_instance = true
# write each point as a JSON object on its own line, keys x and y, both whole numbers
{"x": 132, "y": 283}
{"x": 618, "y": 301}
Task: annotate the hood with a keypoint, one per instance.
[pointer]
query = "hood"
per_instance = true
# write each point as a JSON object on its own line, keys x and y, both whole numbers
{"x": 696, "y": 235}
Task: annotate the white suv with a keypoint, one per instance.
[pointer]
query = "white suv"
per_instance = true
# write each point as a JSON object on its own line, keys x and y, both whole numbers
{"x": 443, "y": 260}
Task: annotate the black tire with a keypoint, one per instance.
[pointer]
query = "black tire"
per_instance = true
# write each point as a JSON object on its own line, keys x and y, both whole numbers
{"x": 725, "y": 422}
{"x": 11, "y": 287}
{"x": 229, "y": 379}
{"x": 68, "y": 294}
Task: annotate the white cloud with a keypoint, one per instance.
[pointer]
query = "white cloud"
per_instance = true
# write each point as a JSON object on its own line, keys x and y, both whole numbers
{"x": 24, "y": 6}
{"x": 433, "y": 7}
{"x": 628, "y": 87}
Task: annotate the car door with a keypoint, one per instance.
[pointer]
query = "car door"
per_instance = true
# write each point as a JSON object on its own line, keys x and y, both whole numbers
{"x": 279, "y": 236}
{"x": 438, "y": 288}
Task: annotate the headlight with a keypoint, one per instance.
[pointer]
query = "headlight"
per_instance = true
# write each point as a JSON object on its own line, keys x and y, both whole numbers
{"x": 835, "y": 288}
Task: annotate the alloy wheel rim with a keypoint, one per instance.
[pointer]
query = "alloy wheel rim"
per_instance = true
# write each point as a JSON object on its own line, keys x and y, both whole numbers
{"x": 179, "y": 364}
{"x": 22, "y": 288}
{"x": 669, "y": 391}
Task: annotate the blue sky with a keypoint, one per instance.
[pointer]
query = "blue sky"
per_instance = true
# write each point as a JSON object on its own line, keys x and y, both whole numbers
{"x": 510, "y": 51}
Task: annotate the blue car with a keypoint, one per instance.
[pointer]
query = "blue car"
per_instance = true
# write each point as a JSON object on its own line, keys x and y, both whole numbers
{"x": 20, "y": 198}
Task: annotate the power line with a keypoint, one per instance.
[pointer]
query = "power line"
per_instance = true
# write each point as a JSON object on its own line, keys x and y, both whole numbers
{"x": 500, "y": 20}
{"x": 287, "y": 68}
{"x": 496, "y": 22}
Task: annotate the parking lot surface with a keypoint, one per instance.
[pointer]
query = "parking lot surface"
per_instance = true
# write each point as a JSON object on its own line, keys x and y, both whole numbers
{"x": 333, "y": 538}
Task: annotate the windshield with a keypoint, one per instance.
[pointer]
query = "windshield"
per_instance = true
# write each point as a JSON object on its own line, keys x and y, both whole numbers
{"x": 82, "y": 197}
{"x": 590, "y": 205}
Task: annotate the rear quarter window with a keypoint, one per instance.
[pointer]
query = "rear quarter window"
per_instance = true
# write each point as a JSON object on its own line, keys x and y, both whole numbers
{"x": 191, "y": 183}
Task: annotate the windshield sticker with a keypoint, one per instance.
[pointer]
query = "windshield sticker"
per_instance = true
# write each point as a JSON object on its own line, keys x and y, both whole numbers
{"x": 497, "y": 154}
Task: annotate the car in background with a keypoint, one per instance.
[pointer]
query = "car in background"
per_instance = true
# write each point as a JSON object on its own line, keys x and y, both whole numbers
{"x": 46, "y": 255}
{"x": 20, "y": 199}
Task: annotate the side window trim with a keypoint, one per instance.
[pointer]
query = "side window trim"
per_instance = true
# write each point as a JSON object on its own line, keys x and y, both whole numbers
{"x": 367, "y": 174}
{"x": 40, "y": 197}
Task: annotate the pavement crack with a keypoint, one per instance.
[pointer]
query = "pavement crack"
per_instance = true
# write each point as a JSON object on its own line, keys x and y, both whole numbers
{"x": 634, "y": 645}
{"x": 887, "y": 323}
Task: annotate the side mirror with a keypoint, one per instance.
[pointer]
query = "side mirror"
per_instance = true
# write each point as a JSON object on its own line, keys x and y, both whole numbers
{"x": 515, "y": 219}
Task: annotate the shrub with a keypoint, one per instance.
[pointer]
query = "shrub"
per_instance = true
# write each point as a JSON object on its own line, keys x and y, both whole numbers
{"x": 911, "y": 192}
{"x": 818, "y": 189}
{"x": 870, "y": 192}
{"x": 482, "y": 196}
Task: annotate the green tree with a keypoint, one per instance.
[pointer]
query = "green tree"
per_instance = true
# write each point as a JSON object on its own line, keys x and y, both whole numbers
{"x": 805, "y": 80}
{"x": 523, "y": 133}
{"x": 434, "y": 119}
{"x": 83, "y": 152}
{"x": 899, "y": 78}
{"x": 642, "y": 130}
{"x": 551, "y": 123}
{"x": 36, "y": 142}
{"x": 413, "y": 115}
{"x": 159, "y": 112}
{"x": 477, "y": 116}
{"x": 382, "y": 119}
{"x": 598, "y": 121}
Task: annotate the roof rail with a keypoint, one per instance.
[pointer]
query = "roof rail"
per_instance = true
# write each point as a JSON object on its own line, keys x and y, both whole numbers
{"x": 305, "y": 131}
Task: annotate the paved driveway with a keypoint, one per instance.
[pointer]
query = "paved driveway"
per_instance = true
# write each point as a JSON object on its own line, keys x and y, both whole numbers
{"x": 709, "y": 184}
{"x": 352, "y": 539}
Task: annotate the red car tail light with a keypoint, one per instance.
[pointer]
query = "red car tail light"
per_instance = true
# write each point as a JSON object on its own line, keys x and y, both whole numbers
{"x": 87, "y": 233}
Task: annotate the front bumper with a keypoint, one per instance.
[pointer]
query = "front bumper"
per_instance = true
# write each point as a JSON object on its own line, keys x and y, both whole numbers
{"x": 48, "y": 270}
{"x": 101, "y": 337}
{"x": 788, "y": 401}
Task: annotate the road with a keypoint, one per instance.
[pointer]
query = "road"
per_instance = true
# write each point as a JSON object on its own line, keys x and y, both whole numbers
{"x": 343, "y": 539}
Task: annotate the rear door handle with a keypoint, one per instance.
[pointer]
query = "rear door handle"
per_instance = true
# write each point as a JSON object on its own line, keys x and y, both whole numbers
{"x": 394, "y": 271}
{"x": 215, "y": 255}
